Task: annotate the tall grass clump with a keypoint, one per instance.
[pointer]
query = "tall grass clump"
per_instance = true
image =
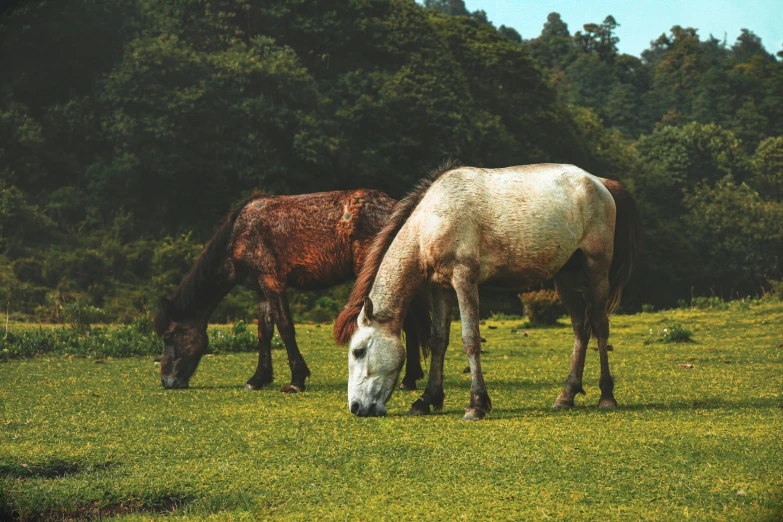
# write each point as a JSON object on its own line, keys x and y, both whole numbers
{"x": 672, "y": 334}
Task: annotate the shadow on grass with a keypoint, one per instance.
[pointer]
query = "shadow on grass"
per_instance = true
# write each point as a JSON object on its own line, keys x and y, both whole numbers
{"x": 164, "y": 504}
{"x": 55, "y": 468}
{"x": 588, "y": 408}
{"x": 218, "y": 387}
{"x": 159, "y": 504}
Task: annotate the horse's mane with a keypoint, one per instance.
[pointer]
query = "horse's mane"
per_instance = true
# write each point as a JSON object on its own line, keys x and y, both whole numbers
{"x": 417, "y": 321}
{"x": 201, "y": 283}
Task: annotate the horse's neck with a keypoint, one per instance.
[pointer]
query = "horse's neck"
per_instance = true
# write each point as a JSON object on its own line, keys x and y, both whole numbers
{"x": 207, "y": 298}
{"x": 399, "y": 277}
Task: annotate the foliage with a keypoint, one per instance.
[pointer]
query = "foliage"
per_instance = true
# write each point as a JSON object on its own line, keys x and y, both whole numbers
{"x": 80, "y": 317}
{"x": 775, "y": 290}
{"x": 76, "y": 436}
{"x": 738, "y": 235}
{"x": 542, "y": 307}
{"x": 768, "y": 169}
{"x": 131, "y": 340}
{"x": 119, "y": 152}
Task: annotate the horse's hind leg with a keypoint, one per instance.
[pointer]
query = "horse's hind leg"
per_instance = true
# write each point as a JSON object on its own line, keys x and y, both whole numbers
{"x": 442, "y": 304}
{"x": 413, "y": 370}
{"x": 468, "y": 299}
{"x": 569, "y": 282}
{"x": 598, "y": 276}
{"x": 285, "y": 325}
{"x": 266, "y": 330}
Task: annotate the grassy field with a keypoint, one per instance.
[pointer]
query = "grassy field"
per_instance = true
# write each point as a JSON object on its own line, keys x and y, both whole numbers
{"x": 80, "y": 439}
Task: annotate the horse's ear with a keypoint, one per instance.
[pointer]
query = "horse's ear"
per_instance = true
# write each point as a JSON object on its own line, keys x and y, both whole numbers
{"x": 366, "y": 316}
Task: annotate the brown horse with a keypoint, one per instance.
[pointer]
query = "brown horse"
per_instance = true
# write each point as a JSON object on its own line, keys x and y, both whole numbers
{"x": 466, "y": 226}
{"x": 269, "y": 243}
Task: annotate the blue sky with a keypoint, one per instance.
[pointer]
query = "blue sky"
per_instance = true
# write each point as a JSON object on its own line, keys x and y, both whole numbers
{"x": 644, "y": 20}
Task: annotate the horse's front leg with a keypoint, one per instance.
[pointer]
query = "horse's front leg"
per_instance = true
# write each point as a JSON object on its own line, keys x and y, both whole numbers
{"x": 413, "y": 370}
{"x": 266, "y": 330}
{"x": 468, "y": 299}
{"x": 442, "y": 302}
{"x": 285, "y": 325}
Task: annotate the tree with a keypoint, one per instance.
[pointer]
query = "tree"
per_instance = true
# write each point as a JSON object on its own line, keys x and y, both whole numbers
{"x": 510, "y": 33}
{"x": 747, "y": 46}
{"x": 554, "y": 46}
{"x": 738, "y": 237}
{"x": 449, "y": 7}
{"x": 768, "y": 169}
{"x": 599, "y": 39}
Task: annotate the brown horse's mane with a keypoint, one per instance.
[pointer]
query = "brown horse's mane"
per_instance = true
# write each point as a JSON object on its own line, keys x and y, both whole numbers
{"x": 201, "y": 284}
{"x": 417, "y": 321}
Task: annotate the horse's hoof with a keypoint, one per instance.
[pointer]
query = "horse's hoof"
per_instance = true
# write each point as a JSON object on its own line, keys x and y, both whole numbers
{"x": 291, "y": 388}
{"x": 563, "y": 404}
{"x": 418, "y": 409}
{"x": 258, "y": 385}
{"x": 473, "y": 414}
{"x": 607, "y": 404}
{"x": 406, "y": 386}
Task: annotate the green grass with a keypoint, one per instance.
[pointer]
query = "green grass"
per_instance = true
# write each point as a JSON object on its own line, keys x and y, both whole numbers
{"x": 700, "y": 443}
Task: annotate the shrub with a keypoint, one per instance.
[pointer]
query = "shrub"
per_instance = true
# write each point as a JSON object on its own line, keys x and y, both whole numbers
{"x": 672, "y": 334}
{"x": 238, "y": 339}
{"x": 542, "y": 307}
{"x": 647, "y": 308}
{"x": 775, "y": 290}
{"x": 320, "y": 314}
{"x": 79, "y": 316}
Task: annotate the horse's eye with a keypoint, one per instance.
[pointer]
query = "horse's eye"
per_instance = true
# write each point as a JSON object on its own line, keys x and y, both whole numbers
{"x": 359, "y": 353}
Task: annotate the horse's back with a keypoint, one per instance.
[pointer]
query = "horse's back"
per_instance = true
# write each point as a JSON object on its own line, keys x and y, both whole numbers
{"x": 520, "y": 224}
{"x": 307, "y": 240}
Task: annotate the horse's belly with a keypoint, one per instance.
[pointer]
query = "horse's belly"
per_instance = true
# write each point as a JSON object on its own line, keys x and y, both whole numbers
{"x": 318, "y": 277}
{"x": 522, "y": 260}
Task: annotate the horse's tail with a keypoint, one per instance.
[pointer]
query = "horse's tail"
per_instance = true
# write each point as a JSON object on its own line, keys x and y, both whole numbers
{"x": 627, "y": 238}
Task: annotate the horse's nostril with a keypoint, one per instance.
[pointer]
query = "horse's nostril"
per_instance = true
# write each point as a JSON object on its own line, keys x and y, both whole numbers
{"x": 355, "y": 408}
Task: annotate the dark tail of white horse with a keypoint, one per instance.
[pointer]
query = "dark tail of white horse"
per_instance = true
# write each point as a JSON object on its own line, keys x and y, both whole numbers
{"x": 627, "y": 238}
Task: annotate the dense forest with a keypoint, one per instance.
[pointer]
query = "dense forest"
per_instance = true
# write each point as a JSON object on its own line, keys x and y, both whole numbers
{"x": 127, "y": 128}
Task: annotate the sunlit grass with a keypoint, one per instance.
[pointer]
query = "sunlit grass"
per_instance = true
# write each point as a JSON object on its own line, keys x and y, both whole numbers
{"x": 702, "y": 442}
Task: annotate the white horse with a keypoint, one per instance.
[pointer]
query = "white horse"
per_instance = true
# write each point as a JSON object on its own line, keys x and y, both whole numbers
{"x": 516, "y": 226}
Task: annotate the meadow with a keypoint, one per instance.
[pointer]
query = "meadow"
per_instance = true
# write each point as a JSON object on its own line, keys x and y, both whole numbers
{"x": 698, "y": 434}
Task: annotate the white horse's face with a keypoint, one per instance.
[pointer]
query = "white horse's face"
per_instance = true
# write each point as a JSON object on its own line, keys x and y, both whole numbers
{"x": 375, "y": 359}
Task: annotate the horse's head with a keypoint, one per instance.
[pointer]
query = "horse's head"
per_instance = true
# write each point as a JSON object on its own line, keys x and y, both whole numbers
{"x": 375, "y": 358}
{"x": 184, "y": 343}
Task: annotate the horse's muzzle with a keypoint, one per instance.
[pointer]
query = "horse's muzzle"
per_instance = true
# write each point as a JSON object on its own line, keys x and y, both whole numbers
{"x": 174, "y": 383}
{"x": 367, "y": 411}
